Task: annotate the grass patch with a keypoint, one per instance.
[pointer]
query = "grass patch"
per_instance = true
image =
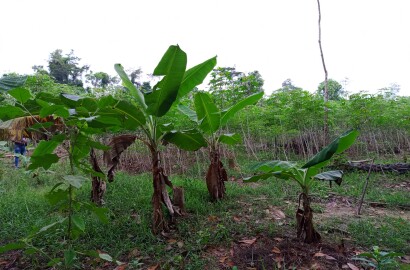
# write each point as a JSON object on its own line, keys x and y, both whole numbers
{"x": 128, "y": 238}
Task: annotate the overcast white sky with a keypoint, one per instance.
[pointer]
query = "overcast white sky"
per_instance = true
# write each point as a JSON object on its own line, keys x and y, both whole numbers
{"x": 367, "y": 41}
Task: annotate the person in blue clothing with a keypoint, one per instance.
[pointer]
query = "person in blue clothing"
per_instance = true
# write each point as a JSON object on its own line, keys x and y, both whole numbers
{"x": 19, "y": 148}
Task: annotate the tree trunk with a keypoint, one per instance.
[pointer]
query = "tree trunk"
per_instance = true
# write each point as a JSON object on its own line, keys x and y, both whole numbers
{"x": 325, "y": 91}
{"x": 160, "y": 181}
{"x": 98, "y": 185}
{"x": 216, "y": 177}
{"x": 304, "y": 220}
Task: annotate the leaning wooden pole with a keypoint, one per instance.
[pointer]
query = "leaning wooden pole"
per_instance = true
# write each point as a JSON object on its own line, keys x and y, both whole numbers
{"x": 359, "y": 207}
{"x": 326, "y": 92}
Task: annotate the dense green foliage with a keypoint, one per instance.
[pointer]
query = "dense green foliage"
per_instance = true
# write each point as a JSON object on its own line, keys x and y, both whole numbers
{"x": 288, "y": 124}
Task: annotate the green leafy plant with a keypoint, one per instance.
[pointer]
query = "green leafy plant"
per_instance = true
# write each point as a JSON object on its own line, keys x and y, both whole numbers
{"x": 380, "y": 259}
{"x": 304, "y": 176}
{"x": 210, "y": 120}
{"x": 144, "y": 112}
{"x": 73, "y": 133}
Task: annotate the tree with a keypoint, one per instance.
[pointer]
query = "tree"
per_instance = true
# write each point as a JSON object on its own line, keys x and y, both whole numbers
{"x": 287, "y": 85}
{"x": 228, "y": 85}
{"x": 145, "y": 111}
{"x": 65, "y": 69}
{"x": 135, "y": 75}
{"x": 391, "y": 91}
{"x": 210, "y": 120}
{"x": 335, "y": 90}
{"x": 101, "y": 79}
{"x": 304, "y": 176}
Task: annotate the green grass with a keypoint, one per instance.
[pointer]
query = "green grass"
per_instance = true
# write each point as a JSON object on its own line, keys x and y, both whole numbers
{"x": 387, "y": 232}
{"x": 23, "y": 207}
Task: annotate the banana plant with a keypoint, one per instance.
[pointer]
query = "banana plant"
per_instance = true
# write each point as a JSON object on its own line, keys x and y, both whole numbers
{"x": 144, "y": 111}
{"x": 210, "y": 120}
{"x": 305, "y": 176}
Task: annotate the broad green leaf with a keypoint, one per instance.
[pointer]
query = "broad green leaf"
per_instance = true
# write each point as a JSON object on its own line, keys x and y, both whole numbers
{"x": 81, "y": 148}
{"x": 12, "y": 246}
{"x": 39, "y": 126}
{"x": 10, "y": 112}
{"x": 258, "y": 177}
{"x": 230, "y": 139}
{"x": 69, "y": 257}
{"x": 30, "y": 251}
{"x": 188, "y": 112}
{"x": 165, "y": 65}
{"x": 10, "y": 82}
{"x": 54, "y": 262}
{"x": 346, "y": 140}
{"x": 229, "y": 113}
{"x": 138, "y": 95}
{"x": 101, "y": 213}
{"x": 20, "y": 94}
{"x": 105, "y": 257}
{"x": 59, "y": 110}
{"x": 104, "y": 122}
{"x": 47, "y": 147}
{"x": 89, "y": 103}
{"x": 207, "y": 113}
{"x": 44, "y": 161}
{"x": 78, "y": 222}
{"x": 335, "y": 176}
{"x": 42, "y": 103}
{"x": 70, "y": 100}
{"x": 166, "y": 127}
{"x": 339, "y": 145}
{"x": 106, "y": 101}
{"x": 49, "y": 226}
{"x": 133, "y": 115}
{"x": 49, "y": 98}
{"x": 195, "y": 76}
{"x": 57, "y": 195}
{"x": 98, "y": 145}
{"x": 172, "y": 65}
{"x": 190, "y": 140}
{"x": 273, "y": 166}
{"x": 75, "y": 180}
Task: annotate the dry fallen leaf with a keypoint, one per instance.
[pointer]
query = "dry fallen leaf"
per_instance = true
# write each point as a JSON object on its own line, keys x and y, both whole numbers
{"x": 320, "y": 254}
{"x": 277, "y": 214}
{"x": 352, "y": 266}
{"x": 276, "y": 250}
{"x": 223, "y": 259}
{"x": 278, "y": 239}
{"x": 212, "y": 218}
{"x": 154, "y": 267}
{"x": 171, "y": 241}
{"x": 248, "y": 241}
{"x": 237, "y": 219}
{"x": 134, "y": 253}
{"x": 180, "y": 244}
{"x": 121, "y": 267}
{"x": 357, "y": 252}
{"x": 279, "y": 261}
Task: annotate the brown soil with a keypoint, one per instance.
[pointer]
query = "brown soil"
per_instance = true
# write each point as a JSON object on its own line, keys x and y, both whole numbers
{"x": 337, "y": 206}
{"x": 283, "y": 253}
